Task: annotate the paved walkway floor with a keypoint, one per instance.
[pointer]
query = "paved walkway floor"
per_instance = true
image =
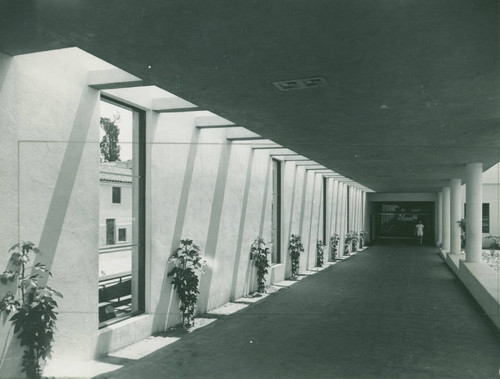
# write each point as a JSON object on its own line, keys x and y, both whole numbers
{"x": 388, "y": 312}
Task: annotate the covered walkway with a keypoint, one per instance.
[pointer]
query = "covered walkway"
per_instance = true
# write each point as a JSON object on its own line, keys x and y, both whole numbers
{"x": 388, "y": 312}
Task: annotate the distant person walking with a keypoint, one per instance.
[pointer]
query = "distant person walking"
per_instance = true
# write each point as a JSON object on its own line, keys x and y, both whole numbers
{"x": 419, "y": 231}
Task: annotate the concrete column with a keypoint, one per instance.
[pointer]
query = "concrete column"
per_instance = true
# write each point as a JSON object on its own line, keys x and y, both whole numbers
{"x": 440, "y": 219}
{"x": 355, "y": 210}
{"x": 446, "y": 218}
{"x": 455, "y": 213}
{"x": 473, "y": 221}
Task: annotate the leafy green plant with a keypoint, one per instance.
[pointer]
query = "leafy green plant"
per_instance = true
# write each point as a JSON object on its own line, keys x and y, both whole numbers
{"x": 188, "y": 263}
{"x": 350, "y": 242}
{"x": 109, "y": 146}
{"x": 334, "y": 246}
{"x": 295, "y": 248}
{"x": 34, "y": 312}
{"x": 259, "y": 253}
{"x": 347, "y": 243}
{"x": 495, "y": 245}
{"x": 320, "y": 253}
{"x": 354, "y": 240}
{"x": 362, "y": 235}
{"x": 461, "y": 224}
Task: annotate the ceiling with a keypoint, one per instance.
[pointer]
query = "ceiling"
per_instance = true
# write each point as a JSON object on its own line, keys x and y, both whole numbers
{"x": 413, "y": 85}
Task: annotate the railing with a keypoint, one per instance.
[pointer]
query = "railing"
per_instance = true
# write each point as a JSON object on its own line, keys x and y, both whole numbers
{"x": 115, "y": 248}
{"x": 115, "y": 296}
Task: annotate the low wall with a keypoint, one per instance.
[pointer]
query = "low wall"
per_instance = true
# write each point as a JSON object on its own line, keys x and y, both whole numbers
{"x": 482, "y": 282}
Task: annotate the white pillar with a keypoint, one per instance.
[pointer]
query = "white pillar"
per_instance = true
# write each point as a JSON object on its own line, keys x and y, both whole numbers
{"x": 354, "y": 206}
{"x": 358, "y": 210}
{"x": 440, "y": 219}
{"x": 363, "y": 211}
{"x": 446, "y": 218}
{"x": 455, "y": 213}
{"x": 473, "y": 221}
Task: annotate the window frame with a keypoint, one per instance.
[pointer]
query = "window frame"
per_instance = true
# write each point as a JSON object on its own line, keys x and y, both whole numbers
{"x": 277, "y": 193}
{"x": 485, "y": 218}
{"x": 140, "y": 225}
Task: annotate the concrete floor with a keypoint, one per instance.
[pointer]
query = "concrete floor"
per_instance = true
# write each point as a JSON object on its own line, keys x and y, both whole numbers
{"x": 388, "y": 312}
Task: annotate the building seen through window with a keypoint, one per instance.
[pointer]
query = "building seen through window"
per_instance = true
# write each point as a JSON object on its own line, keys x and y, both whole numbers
{"x": 119, "y": 260}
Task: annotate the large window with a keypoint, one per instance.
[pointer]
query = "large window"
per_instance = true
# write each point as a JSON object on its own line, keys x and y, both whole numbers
{"x": 325, "y": 197}
{"x": 397, "y": 220}
{"x": 276, "y": 212}
{"x": 121, "y": 252}
{"x": 485, "y": 217}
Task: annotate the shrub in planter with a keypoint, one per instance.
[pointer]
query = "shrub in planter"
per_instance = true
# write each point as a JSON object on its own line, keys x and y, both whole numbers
{"x": 334, "y": 246}
{"x": 259, "y": 253}
{"x": 461, "y": 224}
{"x": 495, "y": 245}
{"x": 362, "y": 235}
{"x": 188, "y": 264}
{"x": 347, "y": 243}
{"x": 295, "y": 248}
{"x": 34, "y": 312}
{"x": 354, "y": 241}
{"x": 320, "y": 253}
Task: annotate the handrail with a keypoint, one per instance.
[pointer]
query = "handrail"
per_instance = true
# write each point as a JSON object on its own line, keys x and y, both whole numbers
{"x": 114, "y": 276}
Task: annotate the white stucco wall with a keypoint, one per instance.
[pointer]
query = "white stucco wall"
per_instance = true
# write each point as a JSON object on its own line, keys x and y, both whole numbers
{"x": 122, "y": 213}
{"x": 49, "y": 188}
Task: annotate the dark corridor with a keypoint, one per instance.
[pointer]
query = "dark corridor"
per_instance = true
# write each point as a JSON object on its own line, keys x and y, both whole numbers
{"x": 395, "y": 221}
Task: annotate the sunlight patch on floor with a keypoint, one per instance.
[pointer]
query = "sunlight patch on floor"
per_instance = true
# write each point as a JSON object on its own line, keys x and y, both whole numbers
{"x": 60, "y": 368}
{"x": 252, "y": 299}
{"x": 144, "y": 347}
{"x": 228, "y": 309}
{"x": 285, "y": 283}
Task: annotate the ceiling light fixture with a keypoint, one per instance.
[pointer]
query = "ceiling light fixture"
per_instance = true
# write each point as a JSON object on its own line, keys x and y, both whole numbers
{"x": 287, "y": 85}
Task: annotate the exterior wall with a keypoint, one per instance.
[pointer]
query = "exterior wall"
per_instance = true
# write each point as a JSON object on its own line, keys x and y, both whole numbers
{"x": 199, "y": 186}
{"x": 49, "y": 191}
{"x": 122, "y": 212}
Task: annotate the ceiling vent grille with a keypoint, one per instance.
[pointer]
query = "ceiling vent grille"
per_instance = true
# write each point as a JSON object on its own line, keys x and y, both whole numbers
{"x": 289, "y": 85}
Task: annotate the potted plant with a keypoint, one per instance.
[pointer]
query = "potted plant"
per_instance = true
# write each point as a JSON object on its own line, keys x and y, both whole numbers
{"x": 362, "y": 235}
{"x": 259, "y": 253}
{"x": 334, "y": 246}
{"x": 494, "y": 247}
{"x": 295, "y": 248}
{"x": 354, "y": 240}
{"x": 320, "y": 252}
{"x": 348, "y": 243}
{"x": 33, "y": 307}
{"x": 461, "y": 224}
{"x": 188, "y": 265}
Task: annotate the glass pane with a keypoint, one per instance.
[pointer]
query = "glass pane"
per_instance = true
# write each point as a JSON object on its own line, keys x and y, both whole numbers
{"x": 117, "y": 195}
{"x": 116, "y": 212}
{"x": 276, "y": 217}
